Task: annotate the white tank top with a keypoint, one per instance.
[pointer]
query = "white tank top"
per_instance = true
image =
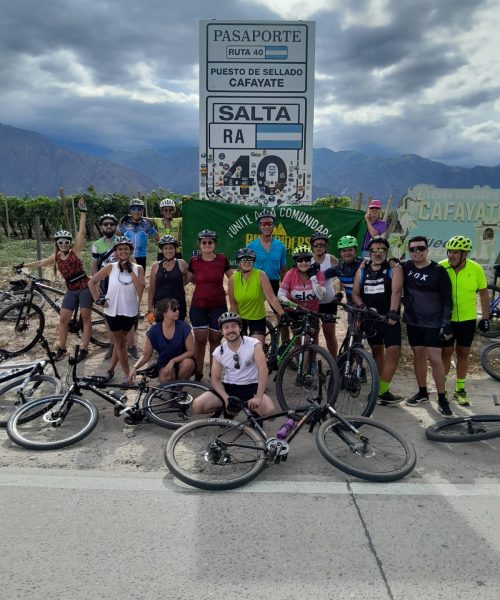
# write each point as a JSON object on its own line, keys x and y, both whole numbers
{"x": 248, "y": 372}
{"x": 121, "y": 294}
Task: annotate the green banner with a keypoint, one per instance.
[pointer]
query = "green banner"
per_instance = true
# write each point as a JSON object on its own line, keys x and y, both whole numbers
{"x": 236, "y": 227}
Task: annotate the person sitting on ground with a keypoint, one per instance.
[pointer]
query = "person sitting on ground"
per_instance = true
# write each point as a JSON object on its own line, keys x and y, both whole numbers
{"x": 241, "y": 363}
{"x": 173, "y": 340}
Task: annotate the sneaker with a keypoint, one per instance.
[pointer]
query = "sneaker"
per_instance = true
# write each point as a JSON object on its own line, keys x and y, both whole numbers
{"x": 61, "y": 353}
{"x": 444, "y": 409}
{"x": 417, "y": 399}
{"x": 133, "y": 352}
{"x": 389, "y": 398}
{"x": 110, "y": 375}
{"x": 82, "y": 355}
{"x": 461, "y": 397}
{"x": 109, "y": 352}
{"x": 198, "y": 376}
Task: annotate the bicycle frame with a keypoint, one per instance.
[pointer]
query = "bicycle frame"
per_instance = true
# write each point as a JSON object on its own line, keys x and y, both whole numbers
{"x": 32, "y": 368}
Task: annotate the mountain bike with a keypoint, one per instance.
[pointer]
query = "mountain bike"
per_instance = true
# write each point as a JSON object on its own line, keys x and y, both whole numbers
{"x": 22, "y": 323}
{"x": 18, "y": 290}
{"x": 300, "y": 365}
{"x": 494, "y": 312}
{"x": 222, "y": 454}
{"x": 490, "y": 359}
{"x": 27, "y": 381}
{"x": 468, "y": 428}
{"x": 61, "y": 420}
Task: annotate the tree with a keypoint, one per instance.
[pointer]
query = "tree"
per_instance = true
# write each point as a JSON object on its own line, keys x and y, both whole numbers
{"x": 334, "y": 201}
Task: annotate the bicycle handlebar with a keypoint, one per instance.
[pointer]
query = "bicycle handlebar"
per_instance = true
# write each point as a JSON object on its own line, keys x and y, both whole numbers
{"x": 19, "y": 271}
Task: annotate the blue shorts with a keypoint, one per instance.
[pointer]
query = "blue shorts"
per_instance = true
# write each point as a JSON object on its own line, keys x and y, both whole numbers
{"x": 203, "y": 318}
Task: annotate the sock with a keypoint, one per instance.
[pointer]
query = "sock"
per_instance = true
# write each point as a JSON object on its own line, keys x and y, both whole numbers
{"x": 442, "y": 397}
{"x": 422, "y": 391}
{"x": 383, "y": 387}
{"x": 460, "y": 385}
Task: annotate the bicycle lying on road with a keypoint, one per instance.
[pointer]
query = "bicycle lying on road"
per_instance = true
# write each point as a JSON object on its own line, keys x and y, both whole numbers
{"x": 221, "y": 454}
{"x": 27, "y": 381}
{"x": 22, "y": 323}
{"x": 60, "y": 420}
{"x": 468, "y": 428}
{"x": 490, "y": 359}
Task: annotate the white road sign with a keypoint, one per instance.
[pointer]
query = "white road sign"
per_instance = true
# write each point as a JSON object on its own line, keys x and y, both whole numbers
{"x": 256, "y": 111}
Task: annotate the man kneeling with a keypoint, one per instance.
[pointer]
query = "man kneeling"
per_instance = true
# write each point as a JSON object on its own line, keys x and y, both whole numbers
{"x": 245, "y": 370}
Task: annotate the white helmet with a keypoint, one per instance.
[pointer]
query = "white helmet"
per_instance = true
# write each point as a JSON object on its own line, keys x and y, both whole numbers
{"x": 167, "y": 203}
{"x": 62, "y": 234}
{"x": 137, "y": 202}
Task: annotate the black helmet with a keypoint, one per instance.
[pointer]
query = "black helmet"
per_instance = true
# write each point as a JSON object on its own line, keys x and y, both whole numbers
{"x": 245, "y": 253}
{"x": 229, "y": 317}
{"x": 378, "y": 239}
{"x": 318, "y": 236}
{"x": 168, "y": 239}
{"x": 109, "y": 218}
{"x": 265, "y": 214}
{"x": 207, "y": 233}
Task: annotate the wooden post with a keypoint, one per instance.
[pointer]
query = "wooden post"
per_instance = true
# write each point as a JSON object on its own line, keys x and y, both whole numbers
{"x": 387, "y": 208}
{"x": 38, "y": 244}
{"x": 359, "y": 201}
{"x": 64, "y": 208}
{"x": 7, "y": 217}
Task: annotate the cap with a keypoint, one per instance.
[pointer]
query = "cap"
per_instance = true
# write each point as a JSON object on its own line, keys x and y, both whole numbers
{"x": 375, "y": 204}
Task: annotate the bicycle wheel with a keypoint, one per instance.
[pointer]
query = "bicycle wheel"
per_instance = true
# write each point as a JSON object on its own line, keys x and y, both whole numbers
{"x": 307, "y": 373}
{"x": 9, "y": 297}
{"x": 215, "y": 454}
{"x": 271, "y": 340}
{"x": 359, "y": 383}
{"x": 490, "y": 360}
{"x": 39, "y": 386}
{"x": 376, "y": 453}
{"x": 100, "y": 333}
{"x": 40, "y": 425}
{"x": 469, "y": 428}
{"x": 171, "y": 406}
{"x": 21, "y": 326}
{"x": 494, "y": 316}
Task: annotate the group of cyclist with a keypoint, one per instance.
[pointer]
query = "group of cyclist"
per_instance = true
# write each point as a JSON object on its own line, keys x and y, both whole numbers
{"x": 439, "y": 300}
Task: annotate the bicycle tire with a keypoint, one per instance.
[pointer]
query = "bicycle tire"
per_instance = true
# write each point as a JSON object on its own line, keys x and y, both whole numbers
{"x": 35, "y": 426}
{"x": 294, "y": 389}
{"x": 357, "y": 396}
{"x": 387, "y": 457}
{"x": 21, "y": 326}
{"x": 189, "y": 458}
{"x": 171, "y": 406}
{"x": 11, "y": 296}
{"x": 270, "y": 344}
{"x": 490, "y": 360}
{"x": 100, "y": 334}
{"x": 9, "y": 402}
{"x": 494, "y": 330}
{"x": 469, "y": 428}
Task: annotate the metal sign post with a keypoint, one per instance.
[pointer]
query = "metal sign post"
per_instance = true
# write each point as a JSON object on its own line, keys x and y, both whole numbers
{"x": 256, "y": 111}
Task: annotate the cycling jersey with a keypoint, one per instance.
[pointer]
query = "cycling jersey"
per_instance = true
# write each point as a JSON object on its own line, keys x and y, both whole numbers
{"x": 304, "y": 293}
{"x": 102, "y": 249}
{"x": 209, "y": 278}
{"x": 270, "y": 262}
{"x": 138, "y": 233}
{"x": 464, "y": 287}
{"x": 175, "y": 229}
{"x": 249, "y": 295}
{"x": 346, "y": 273}
{"x": 376, "y": 287}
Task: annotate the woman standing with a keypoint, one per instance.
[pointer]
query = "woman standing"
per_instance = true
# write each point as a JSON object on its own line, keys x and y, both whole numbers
{"x": 248, "y": 289}
{"x": 209, "y": 297}
{"x": 66, "y": 259}
{"x": 168, "y": 278}
{"x": 303, "y": 284}
{"x": 122, "y": 299}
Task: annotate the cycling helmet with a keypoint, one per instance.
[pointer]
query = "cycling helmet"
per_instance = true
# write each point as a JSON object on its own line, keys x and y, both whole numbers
{"x": 378, "y": 239}
{"x": 62, "y": 234}
{"x": 459, "y": 242}
{"x": 167, "y": 203}
{"x": 229, "y": 317}
{"x": 168, "y": 239}
{"x": 137, "y": 202}
{"x": 123, "y": 240}
{"x": 109, "y": 217}
{"x": 347, "y": 241}
{"x": 265, "y": 214}
{"x": 318, "y": 236}
{"x": 245, "y": 253}
{"x": 207, "y": 233}
{"x": 302, "y": 251}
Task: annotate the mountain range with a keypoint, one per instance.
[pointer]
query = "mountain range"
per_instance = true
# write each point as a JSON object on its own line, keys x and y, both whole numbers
{"x": 33, "y": 165}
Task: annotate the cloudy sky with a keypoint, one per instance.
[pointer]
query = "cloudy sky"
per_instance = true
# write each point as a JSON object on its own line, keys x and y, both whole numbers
{"x": 392, "y": 76}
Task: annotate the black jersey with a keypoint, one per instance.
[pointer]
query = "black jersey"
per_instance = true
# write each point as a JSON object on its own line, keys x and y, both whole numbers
{"x": 376, "y": 287}
{"x": 427, "y": 295}
{"x": 346, "y": 273}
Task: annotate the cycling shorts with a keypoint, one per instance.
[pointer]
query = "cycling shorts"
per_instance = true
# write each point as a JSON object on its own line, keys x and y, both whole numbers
{"x": 424, "y": 336}
{"x": 120, "y": 322}
{"x": 249, "y": 326}
{"x": 463, "y": 333}
{"x": 382, "y": 334}
{"x": 73, "y": 298}
{"x": 203, "y": 318}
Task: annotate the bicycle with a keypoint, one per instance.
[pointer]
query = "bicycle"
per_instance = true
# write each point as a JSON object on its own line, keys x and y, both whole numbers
{"x": 27, "y": 382}
{"x": 61, "y": 420}
{"x": 22, "y": 323}
{"x": 222, "y": 454}
{"x": 494, "y": 311}
{"x": 490, "y": 359}
{"x": 300, "y": 365}
{"x": 17, "y": 291}
{"x": 468, "y": 428}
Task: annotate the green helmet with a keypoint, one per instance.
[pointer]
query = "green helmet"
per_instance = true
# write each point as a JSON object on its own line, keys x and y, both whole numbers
{"x": 347, "y": 241}
{"x": 459, "y": 242}
{"x": 302, "y": 251}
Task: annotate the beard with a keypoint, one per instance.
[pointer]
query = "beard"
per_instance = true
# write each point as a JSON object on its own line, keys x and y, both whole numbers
{"x": 109, "y": 234}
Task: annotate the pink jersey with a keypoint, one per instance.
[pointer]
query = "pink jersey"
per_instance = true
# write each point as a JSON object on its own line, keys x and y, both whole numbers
{"x": 299, "y": 291}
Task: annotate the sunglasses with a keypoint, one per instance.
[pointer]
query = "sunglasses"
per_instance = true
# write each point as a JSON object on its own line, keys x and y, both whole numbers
{"x": 176, "y": 309}
{"x": 63, "y": 242}
{"x": 108, "y": 225}
{"x": 207, "y": 243}
{"x": 169, "y": 209}
{"x": 236, "y": 359}
{"x": 246, "y": 260}
{"x": 136, "y": 208}
{"x": 418, "y": 249}
{"x": 302, "y": 260}
{"x": 319, "y": 245}
{"x": 266, "y": 223}
{"x": 377, "y": 250}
